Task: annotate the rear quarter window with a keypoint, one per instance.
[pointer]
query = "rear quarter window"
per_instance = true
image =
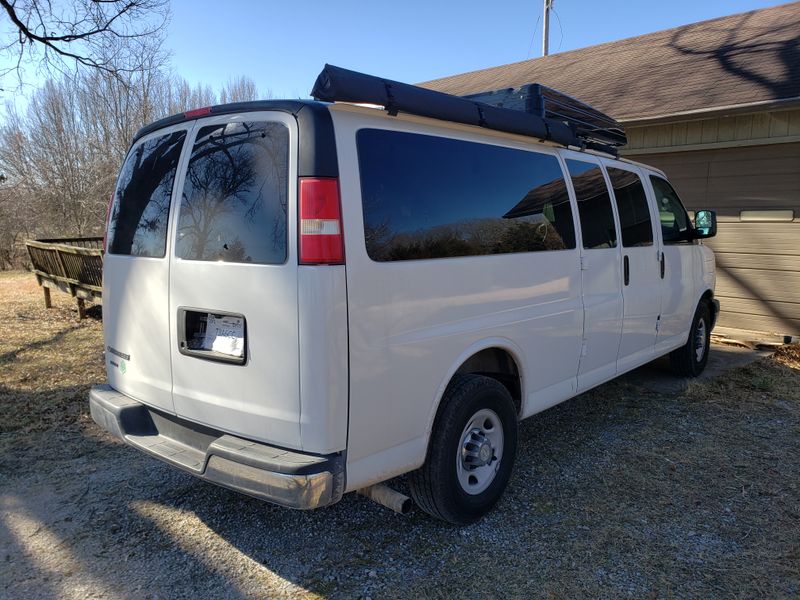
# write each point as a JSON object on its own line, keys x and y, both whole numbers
{"x": 137, "y": 223}
{"x": 433, "y": 197}
{"x": 233, "y": 206}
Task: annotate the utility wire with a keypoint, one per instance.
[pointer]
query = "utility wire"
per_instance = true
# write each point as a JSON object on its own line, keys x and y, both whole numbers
{"x": 533, "y": 37}
{"x": 560, "y": 29}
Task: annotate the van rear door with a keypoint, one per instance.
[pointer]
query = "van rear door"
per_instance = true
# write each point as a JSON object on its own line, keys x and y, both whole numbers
{"x": 233, "y": 279}
{"x": 136, "y": 269}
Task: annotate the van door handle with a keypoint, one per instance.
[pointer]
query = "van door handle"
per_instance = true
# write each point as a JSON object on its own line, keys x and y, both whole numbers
{"x": 662, "y": 265}
{"x": 626, "y": 269}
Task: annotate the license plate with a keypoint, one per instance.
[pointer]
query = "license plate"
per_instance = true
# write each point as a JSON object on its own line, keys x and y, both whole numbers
{"x": 225, "y": 335}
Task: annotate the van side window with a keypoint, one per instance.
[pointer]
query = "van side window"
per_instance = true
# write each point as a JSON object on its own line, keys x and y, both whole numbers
{"x": 233, "y": 206}
{"x": 671, "y": 213}
{"x": 594, "y": 205}
{"x": 634, "y": 214}
{"x": 433, "y": 197}
{"x": 137, "y": 224}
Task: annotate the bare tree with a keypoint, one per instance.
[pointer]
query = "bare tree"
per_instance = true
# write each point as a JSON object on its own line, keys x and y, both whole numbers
{"x": 60, "y": 156}
{"x": 239, "y": 89}
{"x": 112, "y": 36}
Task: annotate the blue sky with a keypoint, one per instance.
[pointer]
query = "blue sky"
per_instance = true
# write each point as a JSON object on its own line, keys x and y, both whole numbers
{"x": 282, "y": 46}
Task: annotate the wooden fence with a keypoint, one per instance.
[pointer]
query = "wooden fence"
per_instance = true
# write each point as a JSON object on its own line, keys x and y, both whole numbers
{"x": 73, "y": 265}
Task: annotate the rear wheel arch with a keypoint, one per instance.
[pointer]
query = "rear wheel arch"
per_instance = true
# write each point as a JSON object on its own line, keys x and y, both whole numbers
{"x": 477, "y": 359}
{"x": 498, "y": 358}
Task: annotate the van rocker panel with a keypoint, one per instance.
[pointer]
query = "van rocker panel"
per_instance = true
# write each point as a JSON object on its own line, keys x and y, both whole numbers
{"x": 285, "y": 477}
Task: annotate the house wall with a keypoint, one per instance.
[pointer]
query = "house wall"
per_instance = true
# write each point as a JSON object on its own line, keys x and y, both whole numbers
{"x": 755, "y": 189}
{"x": 753, "y": 129}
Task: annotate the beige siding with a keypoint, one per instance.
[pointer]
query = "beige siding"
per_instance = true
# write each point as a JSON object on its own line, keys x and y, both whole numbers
{"x": 751, "y": 129}
{"x": 758, "y": 262}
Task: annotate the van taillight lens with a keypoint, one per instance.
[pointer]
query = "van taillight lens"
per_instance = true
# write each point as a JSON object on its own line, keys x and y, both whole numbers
{"x": 321, "y": 239}
{"x": 108, "y": 216}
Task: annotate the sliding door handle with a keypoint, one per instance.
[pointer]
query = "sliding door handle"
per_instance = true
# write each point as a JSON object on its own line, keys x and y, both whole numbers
{"x": 662, "y": 265}
{"x": 626, "y": 270}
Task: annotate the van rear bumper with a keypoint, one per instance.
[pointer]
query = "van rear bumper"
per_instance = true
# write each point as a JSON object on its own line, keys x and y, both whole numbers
{"x": 285, "y": 477}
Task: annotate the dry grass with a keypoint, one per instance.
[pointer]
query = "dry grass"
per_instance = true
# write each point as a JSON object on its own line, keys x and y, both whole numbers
{"x": 621, "y": 492}
{"x": 48, "y": 358}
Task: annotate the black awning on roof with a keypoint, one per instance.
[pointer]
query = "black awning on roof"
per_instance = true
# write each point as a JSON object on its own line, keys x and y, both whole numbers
{"x": 335, "y": 84}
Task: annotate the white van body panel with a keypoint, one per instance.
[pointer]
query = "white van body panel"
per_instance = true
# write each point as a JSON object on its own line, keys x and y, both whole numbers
{"x": 324, "y": 381}
{"x": 259, "y": 400}
{"x": 138, "y": 322}
{"x": 426, "y": 312}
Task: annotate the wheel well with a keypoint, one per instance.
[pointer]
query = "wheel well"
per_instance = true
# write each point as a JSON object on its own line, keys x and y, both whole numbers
{"x": 708, "y": 298}
{"x": 497, "y": 364}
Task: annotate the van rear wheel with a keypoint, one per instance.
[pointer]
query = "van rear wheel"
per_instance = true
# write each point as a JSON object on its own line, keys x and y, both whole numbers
{"x": 690, "y": 360}
{"x": 471, "y": 451}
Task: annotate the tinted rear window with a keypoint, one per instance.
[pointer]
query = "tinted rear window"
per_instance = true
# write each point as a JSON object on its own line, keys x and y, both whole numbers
{"x": 432, "y": 197}
{"x": 138, "y": 221}
{"x": 634, "y": 215}
{"x": 233, "y": 206}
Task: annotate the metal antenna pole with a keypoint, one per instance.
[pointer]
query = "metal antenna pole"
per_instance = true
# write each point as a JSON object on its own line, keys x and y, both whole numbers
{"x": 548, "y": 4}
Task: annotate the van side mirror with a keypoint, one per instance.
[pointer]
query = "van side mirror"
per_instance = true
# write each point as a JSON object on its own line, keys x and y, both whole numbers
{"x": 705, "y": 224}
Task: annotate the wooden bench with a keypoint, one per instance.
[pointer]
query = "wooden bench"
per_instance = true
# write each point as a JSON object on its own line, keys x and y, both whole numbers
{"x": 73, "y": 265}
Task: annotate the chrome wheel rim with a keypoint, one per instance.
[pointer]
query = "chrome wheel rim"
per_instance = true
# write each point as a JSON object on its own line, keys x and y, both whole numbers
{"x": 480, "y": 451}
{"x": 700, "y": 340}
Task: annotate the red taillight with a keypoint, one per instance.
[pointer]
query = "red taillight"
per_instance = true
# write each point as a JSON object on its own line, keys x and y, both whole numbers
{"x": 108, "y": 216}
{"x": 197, "y": 112}
{"x": 321, "y": 239}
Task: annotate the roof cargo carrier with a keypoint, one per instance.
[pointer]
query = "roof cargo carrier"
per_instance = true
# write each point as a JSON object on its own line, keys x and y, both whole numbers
{"x": 532, "y": 110}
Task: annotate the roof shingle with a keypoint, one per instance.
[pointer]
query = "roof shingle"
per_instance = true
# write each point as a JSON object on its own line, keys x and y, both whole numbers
{"x": 741, "y": 59}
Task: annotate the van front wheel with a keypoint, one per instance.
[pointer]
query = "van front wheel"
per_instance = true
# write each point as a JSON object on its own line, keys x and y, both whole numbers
{"x": 471, "y": 451}
{"x": 690, "y": 359}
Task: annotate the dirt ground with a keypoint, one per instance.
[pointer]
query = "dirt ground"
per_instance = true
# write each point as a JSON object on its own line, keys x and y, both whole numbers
{"x": 623, "y": 492}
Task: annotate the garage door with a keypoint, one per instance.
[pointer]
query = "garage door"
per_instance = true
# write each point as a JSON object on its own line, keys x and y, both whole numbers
{"x": 756, "y": 193}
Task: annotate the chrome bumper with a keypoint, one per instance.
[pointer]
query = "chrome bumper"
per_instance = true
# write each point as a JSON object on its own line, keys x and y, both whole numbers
{"x": 284, "y": 477}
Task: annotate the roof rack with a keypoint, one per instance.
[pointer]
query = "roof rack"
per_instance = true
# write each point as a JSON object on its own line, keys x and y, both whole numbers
{"x": 569, "y": 125}
{"x": 588, "y": 123}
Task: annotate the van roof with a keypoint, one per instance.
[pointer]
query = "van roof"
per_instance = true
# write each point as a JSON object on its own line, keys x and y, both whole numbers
{"x": 290, "y": 106}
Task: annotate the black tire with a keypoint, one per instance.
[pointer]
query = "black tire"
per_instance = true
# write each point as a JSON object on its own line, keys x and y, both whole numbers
{"x": 685, "y": 360}
{"x": 436, "y": 487}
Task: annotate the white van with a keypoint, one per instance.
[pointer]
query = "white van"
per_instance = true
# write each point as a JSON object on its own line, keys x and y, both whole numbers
{"x": 307, "y": 298}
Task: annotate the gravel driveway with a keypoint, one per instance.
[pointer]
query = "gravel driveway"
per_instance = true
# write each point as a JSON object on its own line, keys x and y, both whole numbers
{"x": 621, "y": 492}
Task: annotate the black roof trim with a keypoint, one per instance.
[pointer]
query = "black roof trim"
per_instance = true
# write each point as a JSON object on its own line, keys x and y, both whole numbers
{"x": 317, "y": 145}
{"x": 336, "y": 84}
